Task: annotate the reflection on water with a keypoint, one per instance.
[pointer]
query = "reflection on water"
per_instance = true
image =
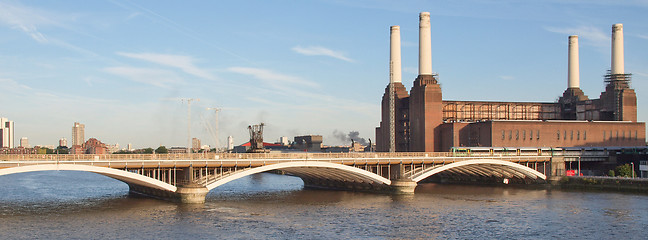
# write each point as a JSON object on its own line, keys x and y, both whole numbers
{"x": 85, "y": 205}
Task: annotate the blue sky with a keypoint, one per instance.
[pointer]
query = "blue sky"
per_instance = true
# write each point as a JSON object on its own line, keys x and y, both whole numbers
{"x": 302, "y": 67}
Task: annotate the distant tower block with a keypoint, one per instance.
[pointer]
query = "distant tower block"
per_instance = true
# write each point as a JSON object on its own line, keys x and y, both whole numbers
{"x": 78, "y": 134}
{"x": 425, "y": 45}
{"x": 573, "y": 71}
{"x": 617, "y": 49}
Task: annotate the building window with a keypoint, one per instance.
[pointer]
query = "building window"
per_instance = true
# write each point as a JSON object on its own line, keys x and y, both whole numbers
{"x": 629, "y": 134}
{"x": 503, "y": 134}
{"x": 538, "y": 134}
{"x": 636, "y": 135}
{"x": 603, "y": 135}
{"x": 531, "y": 135}
{"x": 578, "y": 135}
{"x": 571, "y": 136}
{"x": 617, "y": 135}
{"x": 517, "y": 134}
{"x": 585, "y": 135}
{"x": 523, "y": 134}
{"x": 565, "y": 135}
{"x": 610, "y": 134}
{"x": 510, "y": 134}
{"x": 558, "y": 134}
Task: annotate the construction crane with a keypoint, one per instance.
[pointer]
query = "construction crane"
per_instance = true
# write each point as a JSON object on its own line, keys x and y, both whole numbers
{"x": 189, "y": 100}
{"x": 214, "y": 131}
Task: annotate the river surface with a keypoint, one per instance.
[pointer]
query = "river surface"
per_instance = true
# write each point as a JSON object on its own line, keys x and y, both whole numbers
{"x": 79, "y": 205}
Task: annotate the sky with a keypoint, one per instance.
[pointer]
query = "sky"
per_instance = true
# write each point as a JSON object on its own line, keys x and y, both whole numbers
{"x": 126, "y": 69}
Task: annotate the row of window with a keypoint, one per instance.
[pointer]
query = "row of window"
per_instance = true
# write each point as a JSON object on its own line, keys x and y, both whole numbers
{"x": 609, "y": 136}
{"x": 571, "y": 135}
{"x": 524, "y": 134}
{"x": 568, "y": 135}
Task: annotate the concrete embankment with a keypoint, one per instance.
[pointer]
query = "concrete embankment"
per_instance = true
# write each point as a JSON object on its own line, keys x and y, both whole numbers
{"x": 602, "y": 183}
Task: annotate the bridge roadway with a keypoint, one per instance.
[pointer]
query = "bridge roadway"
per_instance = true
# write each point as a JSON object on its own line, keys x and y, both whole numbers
{"x": 189, "y": 177}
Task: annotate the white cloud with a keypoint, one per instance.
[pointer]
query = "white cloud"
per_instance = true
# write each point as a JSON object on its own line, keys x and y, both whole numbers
{"x": 13, "y": 86}
{"x": 184, "y": 63}
{"x": 271, "y": 77}
{"x": 586, "y": 34}
{"x": 156, "y": 77}
{"x": 642, "y": 36}
{"x": 23, "y": 19}
{"x": 321, "y": 51}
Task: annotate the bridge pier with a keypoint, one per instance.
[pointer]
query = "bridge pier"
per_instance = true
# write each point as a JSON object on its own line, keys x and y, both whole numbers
{"x": 187, "y": 190}
{"x": 184, "y": 194}
{"x": 403, "y": 186}
{"x": 191, "y": 194}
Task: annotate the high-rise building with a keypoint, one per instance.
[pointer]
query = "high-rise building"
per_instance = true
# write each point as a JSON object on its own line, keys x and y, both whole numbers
{"x": 6, "y": 133}
{"x": 78, "y": 134}
{"x": 24, "y": 142}
{"x": 195, "y": 143}
{"x": 283, "y": 141}
{"x": 230, "y": 143}
{"x": 63, "y": 142}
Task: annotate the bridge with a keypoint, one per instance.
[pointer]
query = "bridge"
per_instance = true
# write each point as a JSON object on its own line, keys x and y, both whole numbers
{"x": 188, "y": 178}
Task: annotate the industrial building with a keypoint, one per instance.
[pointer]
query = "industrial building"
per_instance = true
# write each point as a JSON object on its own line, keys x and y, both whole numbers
{"x": 421, "y": 121}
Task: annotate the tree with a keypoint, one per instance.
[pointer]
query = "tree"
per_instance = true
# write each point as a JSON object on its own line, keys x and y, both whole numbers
{"x": 161, "y": 150}
{"x": 611, "y": 173}
{"x": 624, "y": 171}
{"x": 148, "y": 150}
{"x": 62, "y": 150}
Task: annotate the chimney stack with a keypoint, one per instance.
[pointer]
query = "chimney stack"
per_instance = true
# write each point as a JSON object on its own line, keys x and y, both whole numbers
{"x": 573, "y": 75}
{"x": 617, "y": 49}
{"x": 425, "y": 45}
{"x": 395, "y": 55}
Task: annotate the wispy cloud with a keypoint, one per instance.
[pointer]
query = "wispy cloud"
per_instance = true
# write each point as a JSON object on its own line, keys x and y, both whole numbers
{"x": 586, "y": 34}
{"x": 321, "y": 51}
{"x": 156, "y": 77}
{"x": 24, "y": 19}
{"x": 507, "y": 78}
{"x": 184, "y": 63}
{"x": 13, "y": 86}
{"x": 271, "y": 77}
{"x": 642, "y": 36}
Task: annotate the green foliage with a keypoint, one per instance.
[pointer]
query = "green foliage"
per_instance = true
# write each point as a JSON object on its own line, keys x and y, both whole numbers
{"x": 624, "y": 171}
{"x": 148, "y": 150}
{"x": 611, "y": 173}
{"x": 161, "y": 150}
{"x": 62, "y": 150}
{"x": 122, "y": 152}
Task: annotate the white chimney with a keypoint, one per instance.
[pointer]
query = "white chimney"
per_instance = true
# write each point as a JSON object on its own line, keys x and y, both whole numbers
{"x": 395, "y": 55}
{"x": 617, "y": 49}
{"x": 425, "y": 45}
{"x": 573, "y": 75}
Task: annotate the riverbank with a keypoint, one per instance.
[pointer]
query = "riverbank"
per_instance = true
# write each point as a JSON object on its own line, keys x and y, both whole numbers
{"x": 619, "y": 184}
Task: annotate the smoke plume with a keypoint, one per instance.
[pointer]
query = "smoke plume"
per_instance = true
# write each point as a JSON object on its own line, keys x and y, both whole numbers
{"x": 352, "y": 135}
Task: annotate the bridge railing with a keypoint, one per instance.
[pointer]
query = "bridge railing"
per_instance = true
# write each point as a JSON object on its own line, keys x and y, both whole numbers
{"x": 216, "y": 156}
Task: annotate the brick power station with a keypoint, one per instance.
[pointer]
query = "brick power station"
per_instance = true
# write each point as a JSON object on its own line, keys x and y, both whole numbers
{"x": 421, "y": 121}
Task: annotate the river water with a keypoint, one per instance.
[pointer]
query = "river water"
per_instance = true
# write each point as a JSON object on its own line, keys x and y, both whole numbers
{"x": 79, "y": 205}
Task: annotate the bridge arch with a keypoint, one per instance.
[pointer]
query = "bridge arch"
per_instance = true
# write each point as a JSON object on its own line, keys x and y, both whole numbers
{"x": 484, "y": 167}
{"x": 121, "y": 175}
{"x": 304, "y": 169}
